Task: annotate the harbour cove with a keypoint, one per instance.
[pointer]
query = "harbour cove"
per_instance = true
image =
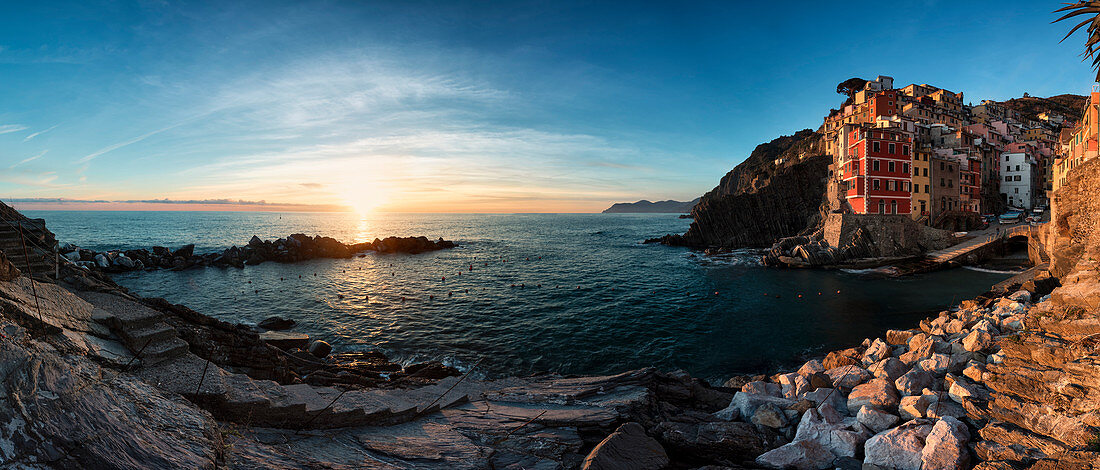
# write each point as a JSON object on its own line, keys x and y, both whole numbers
{"x": 525, "y": 293}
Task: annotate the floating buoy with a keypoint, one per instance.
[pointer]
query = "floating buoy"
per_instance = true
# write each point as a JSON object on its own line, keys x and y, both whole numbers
{"x": 250, "y": 282}
{"x": 431, "y": 297}
{"x": 444, "y": 278}
{"x": 299, "y": 276}
{"x": 513, "y": 285}
{"x": 837, "y": 292}
{"x": 450, "y": 294}
{"x": 800, "y": 296}
{"x": 339, "y": 296}
{"x": 540, "y": 257}
{"x": 402, "y": 298}
{"x": 528, "y": 259}
{"x": 257, "y": 291}
{"x": 540, "y": 285}
{"x": 467, "y": 291}
{"x": 818, "y": 293}
{"x": 522, "y": 286}
{"x": 715, "y": 292}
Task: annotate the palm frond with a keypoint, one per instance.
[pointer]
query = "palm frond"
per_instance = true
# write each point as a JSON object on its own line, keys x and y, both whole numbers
{"x": 1092, "y": 43}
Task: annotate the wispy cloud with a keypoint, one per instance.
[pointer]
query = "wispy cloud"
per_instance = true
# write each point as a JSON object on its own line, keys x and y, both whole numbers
{"x": 36, "y": 134}
{"x": 111, "y": 148}
{"x": 9, "y": 128}
{"x": 29, "y": 159}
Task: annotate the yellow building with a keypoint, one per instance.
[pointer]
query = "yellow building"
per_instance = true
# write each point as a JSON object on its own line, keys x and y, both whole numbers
{"x": 922, "y": 184}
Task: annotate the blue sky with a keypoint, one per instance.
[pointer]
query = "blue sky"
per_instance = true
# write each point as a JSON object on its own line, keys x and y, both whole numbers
{"x": 471, "y": 106}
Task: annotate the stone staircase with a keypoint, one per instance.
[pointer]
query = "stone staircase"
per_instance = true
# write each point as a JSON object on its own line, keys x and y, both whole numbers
{"x": 167, "y": 363}
{"x": 142, "y": 329}
{"x": 239, "y": 398}
{"x": 41, "y": 247}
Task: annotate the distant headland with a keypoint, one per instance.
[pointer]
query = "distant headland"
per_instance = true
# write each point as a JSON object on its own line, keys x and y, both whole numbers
{"x": 644, "y": 206}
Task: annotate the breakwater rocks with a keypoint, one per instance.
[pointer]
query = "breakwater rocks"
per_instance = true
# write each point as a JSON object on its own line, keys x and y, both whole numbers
{"x": 292, "y": 249}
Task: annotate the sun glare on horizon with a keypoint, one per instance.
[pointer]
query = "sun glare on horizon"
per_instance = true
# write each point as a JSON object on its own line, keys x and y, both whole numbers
{"x": 363, "y": 197}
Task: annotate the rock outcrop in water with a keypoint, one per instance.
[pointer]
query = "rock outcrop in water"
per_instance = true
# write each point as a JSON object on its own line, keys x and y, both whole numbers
{"x": 776, "y": 192}
{"x": 292, "y": 249}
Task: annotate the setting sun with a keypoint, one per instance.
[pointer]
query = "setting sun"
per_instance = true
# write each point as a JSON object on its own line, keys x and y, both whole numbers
{"x": 363, "y": 197}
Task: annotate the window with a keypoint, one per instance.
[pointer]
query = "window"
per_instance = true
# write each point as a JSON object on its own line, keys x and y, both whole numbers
{"x": 905, "y": 150}
{"x": 1017, "y": 190}
{"x": 941, "y": 182}
{"x": 1008, "y": 178}
{"x": 950, "y": 183}
{"x": 893, "y": 207}
{"x": 881, "y": 206}
{"x": 1017, "y": 167}
{"x": 874, "y": 184}
{"x": 926, "y": 191}
{"x": 874, "y": 165}
{"x": 1006, "y": 158}
{"x": 890, "y": 185}
{"x": 1016, "y": 178}
{"x": 925, "y": 172}
{"x": 892, "y": 148}
{"x": 891, "y": 165}
{"x": 875, "y": 146}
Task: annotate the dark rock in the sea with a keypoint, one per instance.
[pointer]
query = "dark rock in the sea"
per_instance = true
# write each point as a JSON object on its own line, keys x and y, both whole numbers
{"x": 161, "y": 251}
{"x": 320, "y": 348}
{"x": 8, "y": 271}
{"x": 728, "y": 443}
{"x": 276, "y": 323}
{"x": 185, "y": 251}
{"x": 628, "y": 448}
{"x": 434, "y": 370}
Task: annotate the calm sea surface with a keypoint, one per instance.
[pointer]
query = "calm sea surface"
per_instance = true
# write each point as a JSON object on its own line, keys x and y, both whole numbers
{"x": 569, "y": 293}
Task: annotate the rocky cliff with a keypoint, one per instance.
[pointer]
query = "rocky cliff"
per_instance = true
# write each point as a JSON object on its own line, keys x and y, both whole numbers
{"x": 776, "y": 192}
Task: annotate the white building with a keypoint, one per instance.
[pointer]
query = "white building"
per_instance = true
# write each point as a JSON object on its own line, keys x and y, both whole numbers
{"x": 1021, "y": 175}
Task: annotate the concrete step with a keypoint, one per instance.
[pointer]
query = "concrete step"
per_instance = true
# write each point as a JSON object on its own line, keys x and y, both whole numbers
{"x": 157, "y": 332}
{"x": 160, "y": 351}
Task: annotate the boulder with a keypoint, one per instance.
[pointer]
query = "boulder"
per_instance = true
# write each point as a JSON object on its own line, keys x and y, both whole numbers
{"x": 793, "y": 385}
{"x": 102, "y": 261}
{"x": 628, "y": 448}
{"x": 977, "y": 341}
{"x": 276, "y": 323}
{"x": 913, "y": 382}
{"x": 877, "y": 351}
{"x": 827, "y": 395}
{"x": 890, "y": 369}
{"x": 185, "y": 251}
{"x": 747, "y": 403}
{"x": 913, "y": 407}
{"x": 898, "y": 337}
{"x": 320, "y": 348}
{"x": 945, "y": 446}
{"x": 724, "y": 442}
{"x": 845, "y": 357}
{"x": 848, "y": 376}
{"x": 770, "y": 415}
{"x": 833, "y": 434}
{"x": 878, "y": 393}
{"x": 938, "y": 364}
{"x": 899, "y": 448}
{"x": 961, "y": 389}
{"x": 285, "y": 340}
{"x": 811, "y": 367}
{"x": 1021, "y": 296}
{"x": 760, "y": 387}
{"x": 255, "y": 242}
{"x": 876, "y": 420}
{"x": 799, "y": 455}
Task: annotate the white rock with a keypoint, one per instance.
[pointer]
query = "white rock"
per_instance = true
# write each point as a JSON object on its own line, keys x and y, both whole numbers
{"x": 877, "y": 351}
{"x": 848, "y": 376}
{"x": 1022, "y": 296}
{"x": 938, "y": 364}
{"x": 974, "y": 371}
{"x": 977, "y": 340}
{"x": 945, "y": 446}
{"x": 763, "y": 388}
{"x": 912, "y": 407}
{"x": 793, "y": 385}
{"x": 878, "y": 393}
{"x": 876, "y": 420}
{"x": 747, "y": 403}
{"x": 800, "y": 455}
{"x": 890, "y": 369}
{"x": 839, "y": 438}
{"x": 811, "y": 367}
{"x": 913, "y": 382}
{"x": 898, "y": 448}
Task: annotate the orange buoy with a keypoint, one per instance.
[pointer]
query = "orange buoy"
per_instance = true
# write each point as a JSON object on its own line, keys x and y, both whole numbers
{"x": 800, "y": 296}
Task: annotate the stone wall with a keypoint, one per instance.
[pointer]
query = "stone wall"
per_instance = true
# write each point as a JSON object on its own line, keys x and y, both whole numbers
{"x": 1072, "y": 234}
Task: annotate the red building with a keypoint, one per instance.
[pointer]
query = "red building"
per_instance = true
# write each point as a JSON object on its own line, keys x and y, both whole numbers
{"x": 970, "y": 184}
{"x": 875, "y": 171}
